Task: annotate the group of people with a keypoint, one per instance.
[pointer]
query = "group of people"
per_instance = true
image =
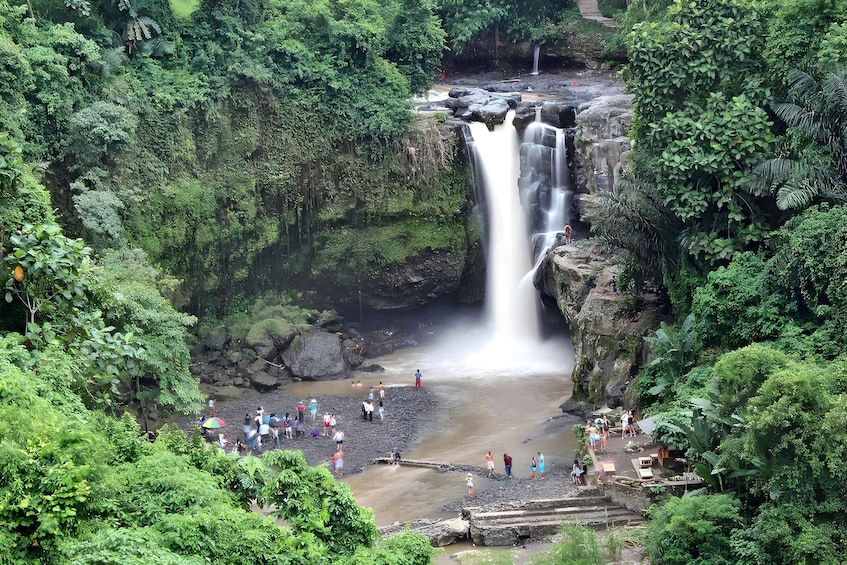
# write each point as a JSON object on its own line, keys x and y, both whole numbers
{"x": 262, "y": 429}
{"x": 368, "y": 405}
{"x": 537, "y": 469}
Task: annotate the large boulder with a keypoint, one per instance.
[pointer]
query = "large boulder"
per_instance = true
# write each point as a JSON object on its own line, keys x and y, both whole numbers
{"x": 316, "y": 355}
{"x": 606, "y": 329}
{"x": 446, "y": 532}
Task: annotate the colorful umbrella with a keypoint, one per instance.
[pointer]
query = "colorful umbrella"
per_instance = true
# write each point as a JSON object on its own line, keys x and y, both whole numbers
{"x": 212, "y": 423}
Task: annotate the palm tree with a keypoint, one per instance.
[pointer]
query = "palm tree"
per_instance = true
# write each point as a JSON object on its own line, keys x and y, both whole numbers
{"x": 632, "y": 216}
{"x": 820, "y": 113}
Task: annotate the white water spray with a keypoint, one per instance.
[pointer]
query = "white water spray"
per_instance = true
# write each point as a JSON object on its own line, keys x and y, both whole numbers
{"x": 512, "y": 306}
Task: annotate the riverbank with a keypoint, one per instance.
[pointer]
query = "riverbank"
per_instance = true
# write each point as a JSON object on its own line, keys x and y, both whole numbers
{"x": 407, "y": 411}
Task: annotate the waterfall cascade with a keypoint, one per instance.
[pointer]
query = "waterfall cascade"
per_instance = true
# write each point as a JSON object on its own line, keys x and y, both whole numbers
{"x": 535, "y": 56}
{"x": 524, "y": 188}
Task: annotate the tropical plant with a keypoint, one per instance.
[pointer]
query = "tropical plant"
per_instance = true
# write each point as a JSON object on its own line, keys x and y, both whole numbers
{"x": 674, "y": 351}
{"x": 817, "y": 112}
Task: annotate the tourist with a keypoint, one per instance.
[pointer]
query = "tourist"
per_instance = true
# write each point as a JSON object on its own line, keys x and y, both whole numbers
{"x": 332, "y": 422}
{"x": 381, "y": 412}
{"x": 469, "y": 482}
{"x": 576, "y": 473}
{"x": 339, "y": 439}
{"x": 326, "y": 424}
{"x": 248, "y": 424}
{"x": 222, "y": 441}
{"x": 371, "y": 394}
{"x": 584, "y": 474}
{"x": 286, "y": 426}
{"x": 365, "y": 409}
{"x": 593, "y": 436}
{"x": 624, "y": 423}
{"x": 605, "y": 427}
{"x": 274, "y": 426}
{"x": 395, "y": 456}
{"x": 211, "y": 406}
{"x": 418, "y": 378}
{"x": 489, "y": 463}
{"x": 540, "y": 457}
{"x": 313, "y": 408}
{"x": 381, "y": 391}
{"x": 301, "y": 411}
{"x": 568, "y": 235}
{"x": 265, "y": 429}
{"x": 254, "y": 441}
{"x": 507, "y": 462}
{"x": 239, "y": 448}
{"x": 533, "y": 467}
{"x": 315, "y": 433}
{"x": 338, "y": 462}
{"x": 369, "y": 408}
{"x": 631, "y": 423}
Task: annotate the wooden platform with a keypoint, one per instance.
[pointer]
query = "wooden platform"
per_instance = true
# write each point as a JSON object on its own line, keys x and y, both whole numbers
{"x": 413, "y": 462}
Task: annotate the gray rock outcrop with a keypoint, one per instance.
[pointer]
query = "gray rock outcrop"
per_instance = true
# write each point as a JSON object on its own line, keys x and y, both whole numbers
{"x": 606, "y": 329}
{"x": 602, "y": 146}
{"x": 316, "y": 355}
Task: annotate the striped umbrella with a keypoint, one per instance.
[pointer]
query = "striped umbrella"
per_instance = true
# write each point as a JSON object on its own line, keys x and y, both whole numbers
{"x": 212, "y": 423}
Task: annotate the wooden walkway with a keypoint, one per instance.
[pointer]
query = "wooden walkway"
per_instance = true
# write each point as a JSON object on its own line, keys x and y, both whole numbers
{"x": 413, "y": 462}
{"x": 590, "y": 11}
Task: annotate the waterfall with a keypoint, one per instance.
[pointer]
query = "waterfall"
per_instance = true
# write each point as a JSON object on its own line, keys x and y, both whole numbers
{"x": 545, "y": 184}
{"x": 511, "y": 299}
{"x": 535, "y": 56}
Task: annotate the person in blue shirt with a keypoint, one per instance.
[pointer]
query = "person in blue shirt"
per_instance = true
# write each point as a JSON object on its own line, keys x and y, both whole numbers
{"x": 418, "y": 378}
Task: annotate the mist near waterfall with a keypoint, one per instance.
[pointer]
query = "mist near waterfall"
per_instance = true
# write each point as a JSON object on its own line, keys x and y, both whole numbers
{"x": 508, "y": 339}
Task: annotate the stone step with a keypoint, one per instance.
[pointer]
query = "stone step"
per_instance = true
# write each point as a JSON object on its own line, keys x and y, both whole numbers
{"x": 492, "y": 534}
{"x": 547, "y": 505}
{"x": 540, "y": 515}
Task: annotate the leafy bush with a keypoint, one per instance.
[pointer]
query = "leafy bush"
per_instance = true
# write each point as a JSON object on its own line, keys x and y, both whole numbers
{"x": 693, "y": 530}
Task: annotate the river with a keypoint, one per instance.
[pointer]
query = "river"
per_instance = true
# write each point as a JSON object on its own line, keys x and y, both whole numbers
{"x": 481, "y": 408}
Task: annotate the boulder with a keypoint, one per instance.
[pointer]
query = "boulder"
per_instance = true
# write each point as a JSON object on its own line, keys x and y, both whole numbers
{"x": 316, "y": 355}
{"x": 265, "y": 382}
{"x": 217, "y": 341}
{"x": 446, "y": 532}
{"x": 558, "y": 115}
{"x": 492, "y": 112}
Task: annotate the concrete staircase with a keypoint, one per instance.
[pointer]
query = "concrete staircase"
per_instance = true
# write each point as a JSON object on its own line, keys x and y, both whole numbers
{"x": 542, "y": 518}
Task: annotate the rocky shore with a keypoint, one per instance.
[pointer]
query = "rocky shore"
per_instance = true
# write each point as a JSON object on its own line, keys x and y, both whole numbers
{"x": 406, "y": 411}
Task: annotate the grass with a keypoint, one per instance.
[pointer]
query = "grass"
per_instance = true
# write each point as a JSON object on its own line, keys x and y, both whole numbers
{"x": 184, "y": 8}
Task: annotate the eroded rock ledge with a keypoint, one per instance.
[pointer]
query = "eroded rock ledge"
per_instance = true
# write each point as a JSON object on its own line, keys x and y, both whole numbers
{"x": 607, "y": 324}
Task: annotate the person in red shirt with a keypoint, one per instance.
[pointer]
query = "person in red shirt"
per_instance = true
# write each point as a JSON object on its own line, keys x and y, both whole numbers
{"x": 507, "y": 461}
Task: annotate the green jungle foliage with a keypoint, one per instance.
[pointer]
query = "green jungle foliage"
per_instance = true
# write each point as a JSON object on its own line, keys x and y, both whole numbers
{"x": 734, "y": 205}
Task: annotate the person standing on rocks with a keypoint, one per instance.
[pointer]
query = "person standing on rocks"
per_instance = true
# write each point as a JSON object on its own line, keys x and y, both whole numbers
{"x": 326, "y": 424}
{"x": 211, "y": 406}
{"x": 533, "y": 467}
{"x": 381, "y": 391}
{"x": 369, "y": 408}
{"x": 540, "y": 458}
{"x": 489, "y": 463}
{"x": 469, "y": 482}
{"x": 381, "y": 412}
{"x": 301, "y": 412}
{"x": 248, "y": 425}
{"x": 339, "y": 439}
{"x": 418, "y": 376}
{"x": 507, "y": 462}
{"x": 313, "y": 408}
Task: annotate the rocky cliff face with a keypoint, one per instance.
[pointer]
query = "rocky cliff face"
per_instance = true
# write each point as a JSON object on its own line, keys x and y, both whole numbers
{"x": 606, "y": 329}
